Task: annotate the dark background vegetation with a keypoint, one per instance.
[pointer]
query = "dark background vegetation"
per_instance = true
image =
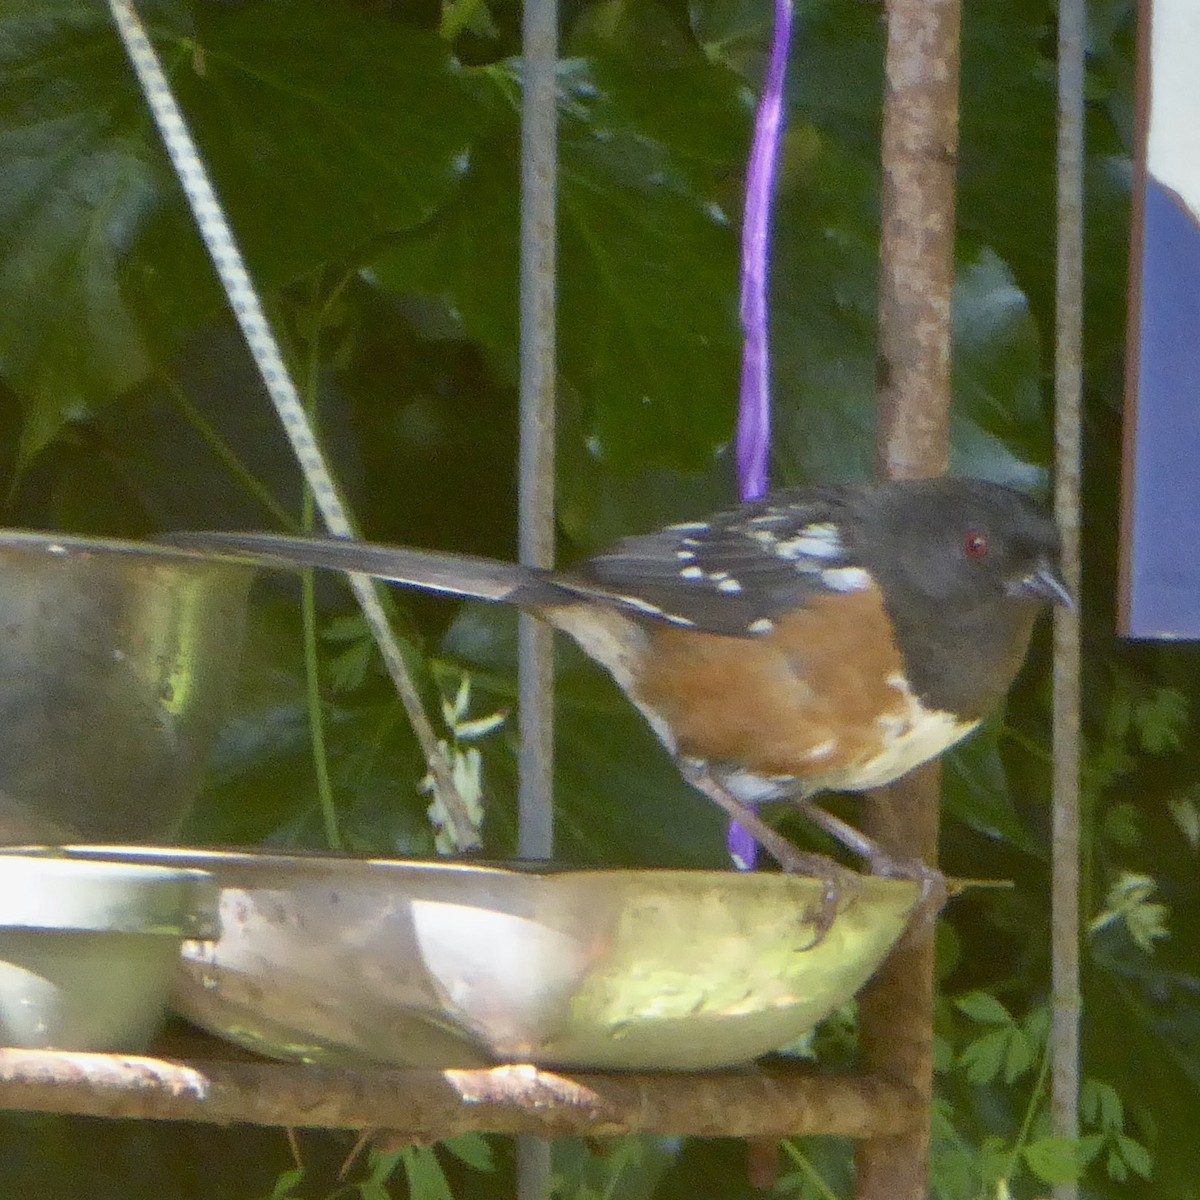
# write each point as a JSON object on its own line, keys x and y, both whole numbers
{"x": 367, "y": 155}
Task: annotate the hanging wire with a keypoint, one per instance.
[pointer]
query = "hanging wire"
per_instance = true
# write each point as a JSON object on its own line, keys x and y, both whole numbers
{"x": 1068, "y": 443}
{"x": 231, "y": 269}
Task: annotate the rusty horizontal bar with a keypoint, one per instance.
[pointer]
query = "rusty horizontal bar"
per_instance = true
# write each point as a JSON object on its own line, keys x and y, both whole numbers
{"x": 425, "y": 1105}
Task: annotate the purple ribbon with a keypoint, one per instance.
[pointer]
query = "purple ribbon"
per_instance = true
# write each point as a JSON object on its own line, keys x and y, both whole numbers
{"x": 754, "y": 408}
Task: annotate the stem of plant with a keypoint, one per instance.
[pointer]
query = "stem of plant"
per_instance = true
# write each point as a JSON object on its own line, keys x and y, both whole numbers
{"x": 224, "y": 454}
{"x": 308, "y": 608}
{"x": 1036, "y": 1100}
{"x": 800, "y": 1159}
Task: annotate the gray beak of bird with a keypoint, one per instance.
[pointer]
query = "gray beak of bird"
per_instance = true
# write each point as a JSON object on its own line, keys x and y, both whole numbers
{"x": 1044, "y": 583}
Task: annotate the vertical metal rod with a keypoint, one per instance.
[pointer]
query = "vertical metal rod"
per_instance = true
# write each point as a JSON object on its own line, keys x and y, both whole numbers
{"x": 916, "y": 287}
{"x": 539, "y": 144}
{"x": 539, "y": 193}
{"x": 1068, "y": 443}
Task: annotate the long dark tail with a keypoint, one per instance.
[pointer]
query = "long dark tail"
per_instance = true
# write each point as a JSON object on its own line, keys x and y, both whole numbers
{"x": 453, "y": 574}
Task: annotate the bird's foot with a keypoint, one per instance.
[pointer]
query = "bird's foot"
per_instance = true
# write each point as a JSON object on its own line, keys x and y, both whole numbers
{"x": 838, "y": 881}
{"x": 934, "y": 888}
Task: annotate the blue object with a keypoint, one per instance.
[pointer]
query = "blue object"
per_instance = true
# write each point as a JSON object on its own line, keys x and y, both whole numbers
{"x": 1160, "y": 591}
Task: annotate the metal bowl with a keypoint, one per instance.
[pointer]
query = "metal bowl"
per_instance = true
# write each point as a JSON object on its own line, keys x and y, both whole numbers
{"x": 332, "y": 959}
{"x": 89, "y": 951}
{"x": 117, "y": 660}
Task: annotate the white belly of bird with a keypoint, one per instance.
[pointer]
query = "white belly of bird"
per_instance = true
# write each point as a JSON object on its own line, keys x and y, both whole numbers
{"x": 925, "y": 736}
{"x": 912, "y": 735}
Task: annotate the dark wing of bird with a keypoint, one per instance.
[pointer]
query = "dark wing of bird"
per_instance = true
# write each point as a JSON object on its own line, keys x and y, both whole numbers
{"x": 734, "y": 573}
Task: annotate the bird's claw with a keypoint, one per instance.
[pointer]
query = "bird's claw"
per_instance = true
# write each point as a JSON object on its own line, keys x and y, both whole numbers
{"x": 935, "y": 890}
{"x": 838, "y": 880}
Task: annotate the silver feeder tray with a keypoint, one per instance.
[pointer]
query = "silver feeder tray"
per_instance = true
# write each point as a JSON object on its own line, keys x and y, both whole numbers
{"x": 339, "y": 960}
{"x": 89, "y": 951}
{"x": 117, "y": 661}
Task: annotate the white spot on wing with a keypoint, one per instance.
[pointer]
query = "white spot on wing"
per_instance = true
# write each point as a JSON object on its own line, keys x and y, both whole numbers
{"x": 846, "y": 579}
{"x": 762, "y": 625}
{"x": 813, "y": 541}
{"x": 691, "y": 573}
{"x": 729, "y": 585}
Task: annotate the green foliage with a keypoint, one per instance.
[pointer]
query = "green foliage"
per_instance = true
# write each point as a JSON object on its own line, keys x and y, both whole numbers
{"x": 367, "y": 154}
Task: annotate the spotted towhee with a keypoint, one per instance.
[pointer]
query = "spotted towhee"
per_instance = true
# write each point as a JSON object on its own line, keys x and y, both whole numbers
{"x": 823, "y": 638}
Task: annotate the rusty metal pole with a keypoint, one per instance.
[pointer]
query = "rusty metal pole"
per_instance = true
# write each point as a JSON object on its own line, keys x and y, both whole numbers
{"x": 1068, "y": 460}
{"x": 920, "y": 146}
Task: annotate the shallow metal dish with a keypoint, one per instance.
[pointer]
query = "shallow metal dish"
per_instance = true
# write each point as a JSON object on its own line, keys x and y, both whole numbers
{"x": 89, "y": 951}
{"x": 334, "y": 959}
{"x": 117, "y": 661}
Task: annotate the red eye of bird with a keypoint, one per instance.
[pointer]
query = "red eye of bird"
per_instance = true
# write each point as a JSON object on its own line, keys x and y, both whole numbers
{"x": 975, "y": 545}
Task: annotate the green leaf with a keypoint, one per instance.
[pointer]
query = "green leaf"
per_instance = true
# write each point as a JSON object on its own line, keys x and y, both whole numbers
{"x": 1100, "y": 1105}
{"x": 1160, "y": 720}
{"x": 975, "y": 787}
{"x": 983, "y": 1008}
{"x": 1019, "y": 1055}
{"x": 1001, "y": 419}
{"x": 424, "y": 1172}
{"x": 647, "y": 257}
{"x": 734, "y": 32}
{"x": 323, "y": 128}
{"x": 1122, "y": 825}
{"x": 1129, "y": 901}
{"x": 1114, "y": 1164}
{"x": 1135, "y": 1156}
{"x": 1037, "y": 1025}
{"x": 287, "y": 1183}
{"x": 322, "y": 125}
{"x": 1185, "y": 812}
{"x": 471, "y": 1148}
{"x": 383, "y": 1163}
{"x": 1054, "y": 1159}
{"x": 983, "y": 1058}
{"x": 78, "y": 180}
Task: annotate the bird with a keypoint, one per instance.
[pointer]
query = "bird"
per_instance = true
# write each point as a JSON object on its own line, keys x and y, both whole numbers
{"x": 822, "y": 638}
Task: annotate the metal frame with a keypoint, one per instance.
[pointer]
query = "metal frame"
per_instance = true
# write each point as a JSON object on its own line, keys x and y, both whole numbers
{"x": 888, "y": 1107}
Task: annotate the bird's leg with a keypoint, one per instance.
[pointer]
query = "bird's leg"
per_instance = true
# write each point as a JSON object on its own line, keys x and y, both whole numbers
{"x": 836, "y": 878}
{"x": 933, "y": 883}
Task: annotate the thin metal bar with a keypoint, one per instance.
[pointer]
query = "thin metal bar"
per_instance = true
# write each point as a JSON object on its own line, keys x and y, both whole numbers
{"x": 536, "y": 468}
{"x": 1068, "y": 442}
{"x": 920, "y": 143}
{"x": 535, "y": 684}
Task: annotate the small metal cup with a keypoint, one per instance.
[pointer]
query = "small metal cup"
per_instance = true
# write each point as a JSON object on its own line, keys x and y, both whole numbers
{"x": 117, "y": 664}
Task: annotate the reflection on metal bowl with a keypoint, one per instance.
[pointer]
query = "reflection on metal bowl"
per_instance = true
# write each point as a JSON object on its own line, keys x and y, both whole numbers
{"x": 117, "y": 660}
{"x": 332, "y": 959}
